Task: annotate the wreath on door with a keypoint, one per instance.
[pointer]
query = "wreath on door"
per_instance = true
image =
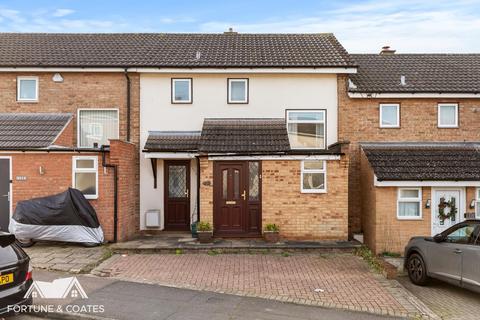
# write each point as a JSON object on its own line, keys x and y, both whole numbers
{"x": 447, "y": 204}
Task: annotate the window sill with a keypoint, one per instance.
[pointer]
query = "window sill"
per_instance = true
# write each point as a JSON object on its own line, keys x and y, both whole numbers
{"x": 410, "y": 218}
{"x": 27, "y": 101}
{"x": 182, "y": 102}
{"x": 237, "y": 102}
{"x": 448, "y": 127}
{"x": 313, "y": 191}
{"x": 91, "y": 197}
{"x": 392, "y": 127}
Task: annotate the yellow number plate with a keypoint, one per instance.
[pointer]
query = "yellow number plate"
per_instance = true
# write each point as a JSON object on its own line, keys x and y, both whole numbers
{"x": 6, "y": 278}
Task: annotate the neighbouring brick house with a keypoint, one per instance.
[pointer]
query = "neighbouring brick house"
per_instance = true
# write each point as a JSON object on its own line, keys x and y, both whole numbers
{"x": 60, "y": 101}
{"x": 407, "y": 117}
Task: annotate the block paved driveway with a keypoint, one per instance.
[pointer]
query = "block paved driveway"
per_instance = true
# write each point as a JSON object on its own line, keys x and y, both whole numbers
{"x": 447, "y": 301}
{"x": 335, "y": 280}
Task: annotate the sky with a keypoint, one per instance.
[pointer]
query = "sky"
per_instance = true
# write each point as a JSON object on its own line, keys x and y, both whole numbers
{"x": 361, "y": 26}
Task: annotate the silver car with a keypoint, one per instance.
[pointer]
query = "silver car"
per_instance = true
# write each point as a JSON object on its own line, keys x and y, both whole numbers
{"x": 452, "y": 256}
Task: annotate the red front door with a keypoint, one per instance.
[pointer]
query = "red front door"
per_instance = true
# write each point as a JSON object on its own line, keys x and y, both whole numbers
{"x": 177, "y": 195}
{"x": 236, "y": 199}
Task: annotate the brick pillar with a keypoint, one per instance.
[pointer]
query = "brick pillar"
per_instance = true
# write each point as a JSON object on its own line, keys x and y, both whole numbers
{"x": 206, "y": 190}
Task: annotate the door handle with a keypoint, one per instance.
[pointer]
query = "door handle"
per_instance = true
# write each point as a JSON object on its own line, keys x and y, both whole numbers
{"x": 187, "y": 193}
{"x": 457, "y": 251}
{"x": 244, "y": 195}
{"x": 6, "y": 195}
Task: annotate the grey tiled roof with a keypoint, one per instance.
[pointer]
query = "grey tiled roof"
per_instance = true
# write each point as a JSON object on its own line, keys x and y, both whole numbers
{"x": 30, "y": 130}
{"x": 171, "y": 50}
{"x": 424, "y": 73}
{"x": 173, "y": 141}
{"x": 430, "y": 162}
{"x": 244, "y": 136}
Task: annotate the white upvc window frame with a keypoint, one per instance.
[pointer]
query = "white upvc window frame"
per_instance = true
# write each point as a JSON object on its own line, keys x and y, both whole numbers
{"x": 244, "y": 80}
{"x": 86, "y": 170}
{"x": 380, "y": 111}
{"x": 190, "y": 91}
{"x": 324, "y": 171}
{"x": 21, "y": 78}
{"x": 477, "y": 203}
{"x": 324, "y": 122}
{"x": 79, "y": 110}
{"x": 439, "y": 106}
{"x": 417, "y": 199}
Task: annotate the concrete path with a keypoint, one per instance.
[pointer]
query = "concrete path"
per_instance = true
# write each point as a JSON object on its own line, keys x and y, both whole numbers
{"x": 341, "y": 281}
{"x": 67, "y": 257}
{"x": 129, "y": 300}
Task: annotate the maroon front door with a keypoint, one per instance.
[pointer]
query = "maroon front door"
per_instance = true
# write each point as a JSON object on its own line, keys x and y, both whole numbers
{"x": 177, "y": 195}
{"x": 237, "y": 199}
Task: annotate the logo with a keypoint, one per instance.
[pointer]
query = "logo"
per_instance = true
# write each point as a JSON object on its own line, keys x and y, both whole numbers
{"x": 63, "y": 288}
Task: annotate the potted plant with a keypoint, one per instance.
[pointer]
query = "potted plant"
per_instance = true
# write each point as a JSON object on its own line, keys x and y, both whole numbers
{"x": 271, "y": 232}
{"x": 205, "y": 232}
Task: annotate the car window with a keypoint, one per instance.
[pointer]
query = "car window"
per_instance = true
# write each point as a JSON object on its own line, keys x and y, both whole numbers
{"x": 462, "y": 235}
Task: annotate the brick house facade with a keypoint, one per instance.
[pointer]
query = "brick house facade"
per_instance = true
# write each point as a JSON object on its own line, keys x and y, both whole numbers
{"x": 78, "y": 90}
{"x": 373, "y": 208}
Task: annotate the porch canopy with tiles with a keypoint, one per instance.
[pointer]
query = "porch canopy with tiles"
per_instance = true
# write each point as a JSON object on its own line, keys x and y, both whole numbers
{"x": 239, "y": 174}
{"x": 417, "y": 189}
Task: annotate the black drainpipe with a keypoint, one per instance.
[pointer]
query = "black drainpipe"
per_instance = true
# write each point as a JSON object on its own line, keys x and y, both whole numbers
{"x": 198, "y": 188}
{"x": 128, "y": 104}
{"x": 115, "y": 193}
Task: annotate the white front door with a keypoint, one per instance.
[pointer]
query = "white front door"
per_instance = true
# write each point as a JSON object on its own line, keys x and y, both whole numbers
{"x": 449, "y": 196}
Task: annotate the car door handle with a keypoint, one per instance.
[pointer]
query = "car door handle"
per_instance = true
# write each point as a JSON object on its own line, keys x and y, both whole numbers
{"x": 457, "y": 251}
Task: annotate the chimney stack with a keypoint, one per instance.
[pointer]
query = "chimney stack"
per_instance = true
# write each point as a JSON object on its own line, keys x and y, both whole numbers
{"x": 230, "y": 31}
{"x": 387, "y": 51}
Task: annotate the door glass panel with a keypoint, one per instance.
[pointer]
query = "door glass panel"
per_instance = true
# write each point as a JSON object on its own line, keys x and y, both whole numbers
{"x": 253, "y": 181}
{"x": 236, "y": 184}
{"x": 224, "y": 184}
{"x": 177, "y": 181}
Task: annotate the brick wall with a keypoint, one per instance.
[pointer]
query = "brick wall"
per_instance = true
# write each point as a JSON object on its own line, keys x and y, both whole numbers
{"x": 299, "y": 215}
{"x": 206, "y": 190}
{"x": 124, "y": 155}
{"x": 359, "y": 122}
{"x": 84, "y": 90}
{"x": 56, "y": 178}
{"x": 312, "y": 216}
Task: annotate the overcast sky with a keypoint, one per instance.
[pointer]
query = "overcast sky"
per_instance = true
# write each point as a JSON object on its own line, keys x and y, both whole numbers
{"x": 361, "y": 26}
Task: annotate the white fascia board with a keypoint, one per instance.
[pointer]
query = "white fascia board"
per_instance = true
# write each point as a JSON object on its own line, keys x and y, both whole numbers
{"x": 245, "y": 70}
{"x": 412, "y": 183}
{"x": 54, "y": 69}
{"x": 274, "y": 157}
{"x": 187, "y": 70}
{"x": 170, "y": 155}
{"x": 412, "y": 95}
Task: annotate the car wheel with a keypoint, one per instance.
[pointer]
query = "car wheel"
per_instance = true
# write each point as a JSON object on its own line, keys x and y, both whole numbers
{"x": 417, "y": 270}
{"x": 25, "y": 243}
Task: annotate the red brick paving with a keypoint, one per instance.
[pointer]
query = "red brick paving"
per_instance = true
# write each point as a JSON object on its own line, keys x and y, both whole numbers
{"x": 345, "y": 280}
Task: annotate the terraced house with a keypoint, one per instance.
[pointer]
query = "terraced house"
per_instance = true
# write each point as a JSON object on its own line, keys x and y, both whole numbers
{"x": 414, "y": 125}
{"x": 241, "y": 130}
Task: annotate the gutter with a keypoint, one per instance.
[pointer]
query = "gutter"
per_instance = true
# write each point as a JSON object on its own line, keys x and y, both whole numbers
{"x": 79, "y": 150}
{"x": 115, "y": 193}
{"x": 128, "y": 102}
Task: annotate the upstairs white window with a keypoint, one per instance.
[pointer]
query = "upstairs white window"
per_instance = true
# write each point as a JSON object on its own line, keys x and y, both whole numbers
{"x": 27, "y": 89}
{"x": 409, "y": 203}
{"x": 181, "y": 90}
{"x": 306, "y": 129}
{"x": 85, "y": 176}
{"x": 447, "y": 115}
{"x": 389, "y": 116}
{"x": 237, "y": 90}
{"x": 314, "y": 176}
{"x": 97, "y": 126}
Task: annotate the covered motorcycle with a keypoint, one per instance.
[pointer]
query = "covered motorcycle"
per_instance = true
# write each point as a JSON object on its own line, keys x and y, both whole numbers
{"x": 66, "y": 216}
